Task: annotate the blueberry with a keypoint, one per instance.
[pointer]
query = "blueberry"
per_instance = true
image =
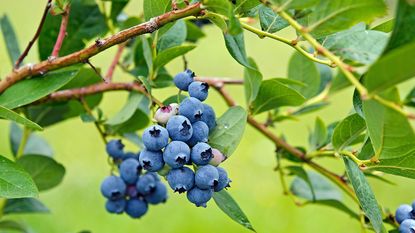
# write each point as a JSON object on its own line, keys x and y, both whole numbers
{"x": 136, "y": 208}
{"x": 115, "y": 149}
{"x": 200, "y": 133}
{"x": 223, "y": 180}
{"x": 199, "y": 197}
{"x": 179, "y": 128}
{"x": 183, "y": 79}
{"x": 159, "y": 194}
{"x": 181, "y": 179}
{"x": 191, "y": 108}
{"x": 155, "y": 138}
{"x": 130, "y": 170}
{"x": 113, "y": 187}
{"x": 413, "y": 207}
{"x": 132, "y": 191}
{"x": 407, "y": 226}
{"x": 130, "y": 155}
{"x": 151, "y": 160}
{"x": 403, "y": 212}
{"x": 209, "y": 116}
{"x": 201, "y": 154}
{"x": 154, "y": 175}
{"x": 217, "y": 158}
{"x": 206, "y": 177}
{"x": 164, "y": 113}
{"x": 199, "y": 90}
{"x": 116, "y": 206}
{"x": 146, "y": 184}
{"x": 176, "y": 154}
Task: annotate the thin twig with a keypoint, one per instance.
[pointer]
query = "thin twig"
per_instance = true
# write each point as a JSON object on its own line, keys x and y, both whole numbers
{"x": 110, "y": 72}
{"x": 95, "y": 69}
{"x": 97, "y": 125}
{"x": 32, "y": 41}
{"x": 62, "y": 32}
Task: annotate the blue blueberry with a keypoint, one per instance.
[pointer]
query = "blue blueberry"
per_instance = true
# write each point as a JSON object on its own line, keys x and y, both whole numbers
{"x": 223, "y": 180}
{"x": 191, "y": 108}
{"x": 176, "y": 154}
{"x": 199, "y": 90}
{"x": 201, "y": 154}
{"x": 146, "y": 184}
{"x": 159, "y": 194}
{"x": 155, "y": 138}
{"x": 200, "y": 133}
{"x": 154, "y": 175}
{"x": 407, "y": 226}
{"x": 403, "y": 212}
{"x": 413, "y": 207}
{"x": 183, "y": 79}
{"x": 116, "y": 206}
{"x": 151, "y": 160}
{"x": 181, "y": 179}
{"x": 130, "y": 155}
{"x": 132, "y": 191}
{"x": 136, "y": 208}
{"x": 209, "y": 116}
{"x": 206, "y": 177}
{"x": 130, "y": 169}
{"x": 179, "y": 128}
{"x": 199, "y": 197}
{"x": 113, "y": 188}
{"x": 115, "y": 149}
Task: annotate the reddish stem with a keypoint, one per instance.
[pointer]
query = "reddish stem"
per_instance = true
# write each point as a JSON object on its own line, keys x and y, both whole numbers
{"x": 114, "y": 63}
{"x": 62, "y": 32}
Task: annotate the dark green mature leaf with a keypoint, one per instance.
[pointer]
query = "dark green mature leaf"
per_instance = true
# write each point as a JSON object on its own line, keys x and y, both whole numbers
{"x": 339, "y": 82}
{"x": 410, "y": 98}
{"x": 304, "y": 70}
{"x": 11, "y": 225}
{"x": 194, "y": 33}
{"x": 245, "y": 7}
{"x": 270, "y": 21}
{"x": 347, "y": 131}
{"x": 175, "y": 36}
{"x": 24, "y": 205}
{"x": 226, "y": 9}
{"x": 357, "y": 45}
{"x": 30, "y": 90}
{"x": 116, "y": 8}
{"x": 134, "y": 101}
{"x": 229, "y": 130}
{"x": 319, "y": 135}
{"x": 236, "y": 47}
{"x": 169, "y": 54}
{"x": 366, "y": 152}
{"x": 15, "y": 182}
{"x": 389, "y": 70}
{"x": 11, "y": 115}
{"x": 403, "y": 30}
{"x": 10, "y": 39}
{"x": 357, "y": 103}
{"x": 34, "y": 145}
{"x": 154, "y": 8}
{"x": 147, "y": 53}
{"x": 252, "y": 80}
{"x": 336, "y": 15}
{"x": 45, "y": 171}
{"x": 86, "y": 22}
{"x": 295, "y": 4}
{"x": 228, "y": 205}
{"x": 273, "y": 94}
{"x": 392, "y": 137}
{"x": 365, "y": 195}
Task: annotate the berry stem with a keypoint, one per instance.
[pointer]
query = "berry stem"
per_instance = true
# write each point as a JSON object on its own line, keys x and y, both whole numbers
{"x": 62, "y": 32}
{"x": 117, "y": 57}
{"x": 23, "y": 142}
{"x": 97, "y": 124}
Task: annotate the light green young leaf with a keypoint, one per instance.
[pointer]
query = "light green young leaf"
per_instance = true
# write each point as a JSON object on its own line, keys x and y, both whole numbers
{"x": 10, "y": 39}
{"x": 295, "y": 4}
{"x": 134, "y": 100}
{"x": 252, "y": 81}
{"x": 347, "y": 131}
{"x": 11, "y": 115}
{"x": 24, "y": 205}
{"x": 270, "y": 21}
{"x": 304, "y": 70}
{"x": 13, "y": 226}
{"x": 386, "y": 26}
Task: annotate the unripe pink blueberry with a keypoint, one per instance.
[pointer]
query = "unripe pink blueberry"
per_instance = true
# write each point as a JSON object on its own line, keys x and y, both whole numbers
{"x": 217, "y": 158}
{"x": 164, "y": 113}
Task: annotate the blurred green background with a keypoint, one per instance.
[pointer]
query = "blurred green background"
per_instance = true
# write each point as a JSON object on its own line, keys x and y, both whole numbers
{"x": 76, "y": 204}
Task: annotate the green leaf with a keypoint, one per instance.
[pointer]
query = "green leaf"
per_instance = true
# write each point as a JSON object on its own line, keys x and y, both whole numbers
{"x": 13, "y": 226}
{"x": 389, "y": 70}
{"x": 365, "y": 195}
{"x": 10, "y": 39}
{"x": 174, "y": 99}
{"x": 15, "y": 182}
{"x": 386, "y": 26}
{"x": 86, "y": 22}
{"x": 133, "y": 102}
{"x": 229, "y": 130}
{"x": 169, "y": 54}
{"x": 30, "y": 90}
{"x": 34, "y": 145}
{"x": 147, "y": 52}
{"x": 347, "y": 131}
{"x": 175, "y": 36}
{"x": 366, "y": 152}
{"x": 252, "y": 81}
{"x": 228, "y": 205}
{"x": 301, "y": 173}
{"x": 295, "y": 4}
{"x": 410, "y": 98}
{"x": 269, "y": 21}
{"x": 319, "y": 135}
{"x": 236, "y": 47}
{"x": 116, "y": 8}
{"x": 310, "y": 108}
{"x": 45, "y": 171}
{"x": 217, "y": 20}
{"x": 24, "y": 205}
{"x": 392, "y": 137}
{"x": 245, "y": 7}
{"x": 155, "y": 8}
{"x": 273, "y": 94}
{"x": 357, "y": 45}
{"x": 194, "y": 33}
{"x": 357, "y": 103}
{"x": 11, "y": 115}
{"x": 336, "y": 15}
{"x": 304, "y": 70}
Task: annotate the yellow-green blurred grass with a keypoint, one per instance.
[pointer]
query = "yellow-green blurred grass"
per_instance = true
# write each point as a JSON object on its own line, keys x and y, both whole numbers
{"x": 77, "y": 204}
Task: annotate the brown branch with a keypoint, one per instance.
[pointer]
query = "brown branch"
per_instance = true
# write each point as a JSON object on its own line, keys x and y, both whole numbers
{"x": 62, "y": 32}
{"x": 32, "y": 41}
{"x": 99, "y": 46}
{"x": 110, "y": 72}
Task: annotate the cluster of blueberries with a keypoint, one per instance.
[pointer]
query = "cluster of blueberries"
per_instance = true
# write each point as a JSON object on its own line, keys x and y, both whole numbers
{"x": 405, "y": 216}
{"x": 176, "y": 144}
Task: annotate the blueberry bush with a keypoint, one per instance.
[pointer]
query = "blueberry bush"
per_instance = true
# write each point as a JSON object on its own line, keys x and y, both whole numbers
{"x": 180, "y": 142}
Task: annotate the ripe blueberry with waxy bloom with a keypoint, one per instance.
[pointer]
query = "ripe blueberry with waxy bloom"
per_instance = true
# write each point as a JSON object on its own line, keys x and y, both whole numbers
{"x": 176, "y": 154}
{"x": 179, "y": 128}
{"x": 136, "y": 208}
{"x": 206, "y": 177}
{"x": 155, "y": 138}
{"x": 200, "y": 133}
{"x": 183, "y": 79}
{"x": 151, "y": 160}
{"x": 201, "y": 154}
{"x": 115, "y": 149}
{"x": 199, "y": 197}
{"x": 181, "y": 179}
{"x": 199, "y": 90}
{"x": 113, "y": 187}
{"x": 191, "y": 108}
